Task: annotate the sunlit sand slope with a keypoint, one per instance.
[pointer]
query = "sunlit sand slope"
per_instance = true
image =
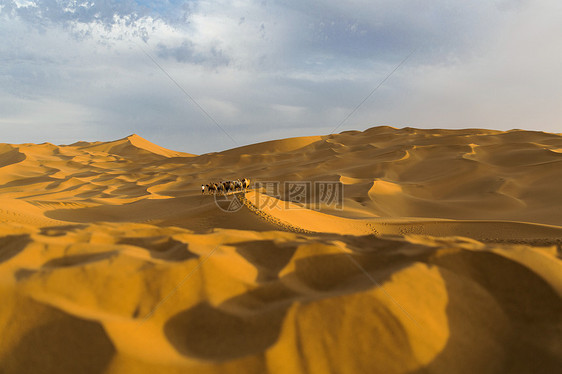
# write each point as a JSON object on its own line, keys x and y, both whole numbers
{"x": 445, "y": 256}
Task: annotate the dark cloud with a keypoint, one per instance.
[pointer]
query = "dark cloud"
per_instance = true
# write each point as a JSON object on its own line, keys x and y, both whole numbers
{"x": 187, "y": 52}
{"x": 384, "y": 30}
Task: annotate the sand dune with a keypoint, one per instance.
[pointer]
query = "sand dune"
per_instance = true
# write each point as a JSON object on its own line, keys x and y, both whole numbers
{"x": 444, "y": 257}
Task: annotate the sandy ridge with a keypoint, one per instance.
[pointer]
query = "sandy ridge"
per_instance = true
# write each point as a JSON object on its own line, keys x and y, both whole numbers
{"x": 270, "y": 218}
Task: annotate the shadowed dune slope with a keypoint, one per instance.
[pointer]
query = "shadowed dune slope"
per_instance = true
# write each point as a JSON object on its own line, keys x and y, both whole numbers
{"x": 441, "y": 253}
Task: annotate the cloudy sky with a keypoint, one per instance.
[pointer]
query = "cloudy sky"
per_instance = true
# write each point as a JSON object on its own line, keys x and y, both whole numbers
{"x": 202, "y": 76}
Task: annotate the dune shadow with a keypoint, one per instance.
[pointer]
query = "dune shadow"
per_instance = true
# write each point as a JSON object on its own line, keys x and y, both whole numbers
{"x": 54, "y": 231}
{"x": 78, "y": 260}
{"x": 138, "y": 211}
{"x": 163, "y": 248}
{"x": 65, "y": 344}
{"x": 14, "y": 156}
{"x": 11, "y": 245}
{"x": 526, "y": 340}
{"x": 267, "y": 256}
{"x": 197, "y": 213}
{"x": 210, "y": 333}
{"x": 86, "y": 215}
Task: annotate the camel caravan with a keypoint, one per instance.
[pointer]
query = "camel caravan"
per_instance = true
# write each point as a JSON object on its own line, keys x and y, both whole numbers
{"x": 222, "y": 188}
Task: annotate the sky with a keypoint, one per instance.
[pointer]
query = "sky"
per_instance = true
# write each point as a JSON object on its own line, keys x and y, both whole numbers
{"x": 204, "y": 76}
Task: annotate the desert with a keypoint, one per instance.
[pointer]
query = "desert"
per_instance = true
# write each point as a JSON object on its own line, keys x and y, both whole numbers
{"x": 437, "y": 251}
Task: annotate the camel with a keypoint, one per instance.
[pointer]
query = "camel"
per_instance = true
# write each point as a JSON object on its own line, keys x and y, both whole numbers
{"x": 211, "y": 188}
{"x": 224, "y": 187}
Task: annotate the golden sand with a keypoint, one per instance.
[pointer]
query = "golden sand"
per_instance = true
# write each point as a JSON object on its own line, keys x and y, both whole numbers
{"x": 446, "y": 256}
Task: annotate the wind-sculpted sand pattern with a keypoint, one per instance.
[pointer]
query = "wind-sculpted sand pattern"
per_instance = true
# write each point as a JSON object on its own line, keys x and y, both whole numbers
{"x": 446, "y": 257}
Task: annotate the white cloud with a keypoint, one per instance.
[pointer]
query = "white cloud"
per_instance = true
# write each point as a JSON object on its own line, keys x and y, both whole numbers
{"x": 25, "y": 4}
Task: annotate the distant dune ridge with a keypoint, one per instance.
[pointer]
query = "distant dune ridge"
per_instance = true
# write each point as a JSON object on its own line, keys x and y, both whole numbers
{"x": 446, "y": 256}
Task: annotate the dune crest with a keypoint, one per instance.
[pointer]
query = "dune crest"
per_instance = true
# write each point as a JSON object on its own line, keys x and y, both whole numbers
{"x": 442, "y": 254}
{"x": 132, "y": 145}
